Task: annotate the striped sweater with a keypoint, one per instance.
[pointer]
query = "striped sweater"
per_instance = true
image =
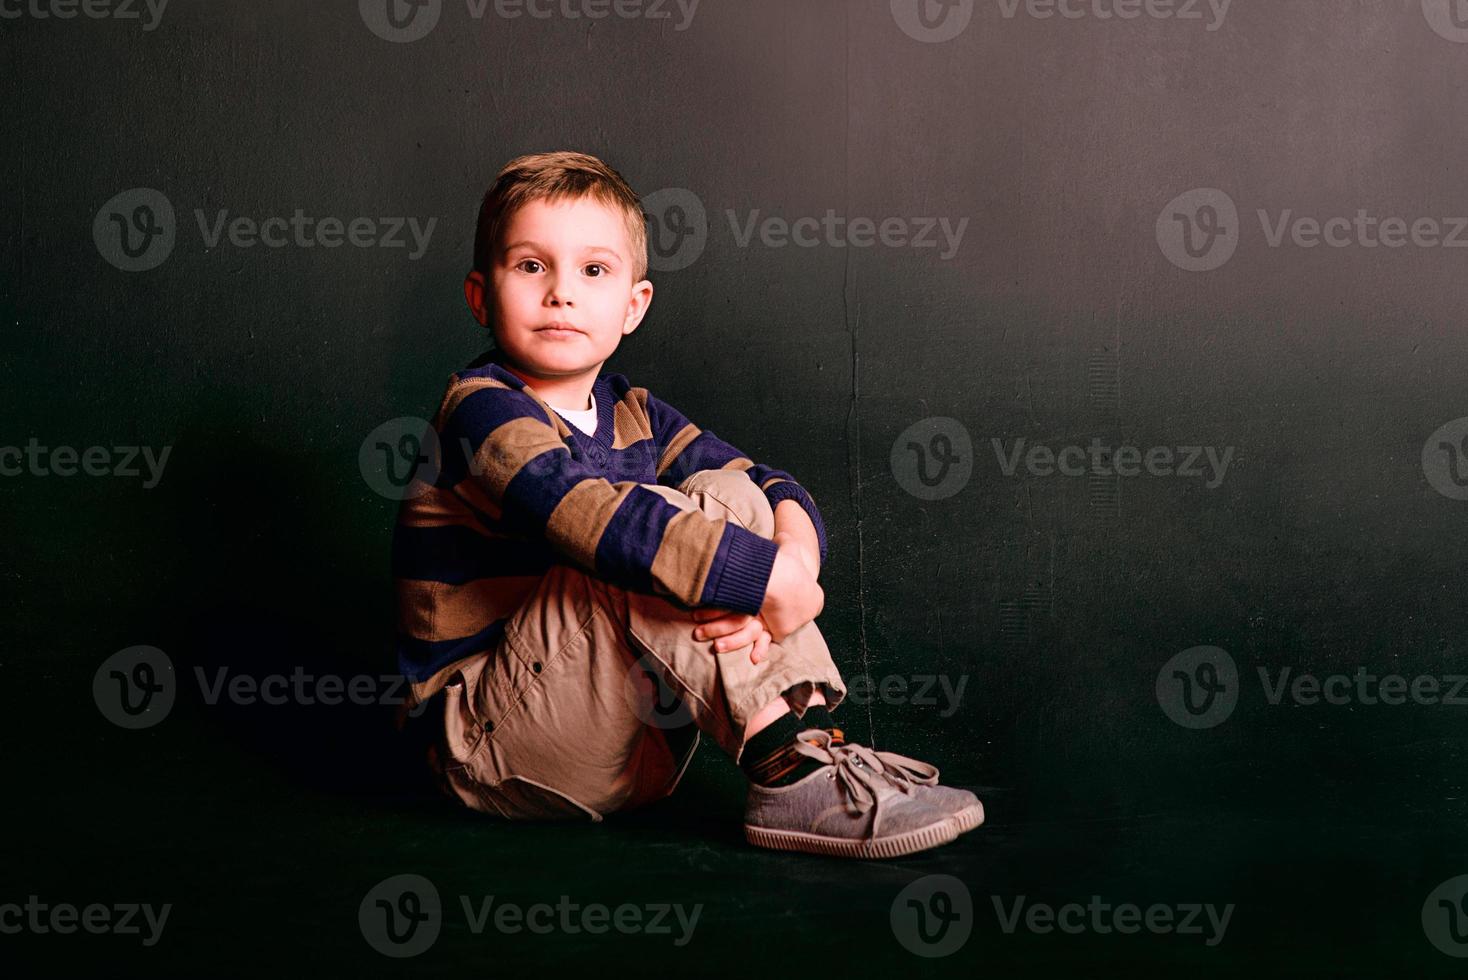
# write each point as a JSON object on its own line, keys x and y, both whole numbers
{"x": 517, "y": 490}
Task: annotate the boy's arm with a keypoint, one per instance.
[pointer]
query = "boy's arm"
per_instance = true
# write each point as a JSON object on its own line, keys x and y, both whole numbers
{"x": 791, "y": 518}
{"x": 504, "y": 458}
{"x": 685, "y": 449}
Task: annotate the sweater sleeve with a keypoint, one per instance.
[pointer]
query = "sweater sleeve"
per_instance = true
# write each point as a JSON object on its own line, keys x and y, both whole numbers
{"x": 505, "y": 459}
{"x": 685, "y": 449}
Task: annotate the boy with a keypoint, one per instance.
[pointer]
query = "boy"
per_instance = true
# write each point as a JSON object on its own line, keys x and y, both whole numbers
{"x": 578, "y": 528}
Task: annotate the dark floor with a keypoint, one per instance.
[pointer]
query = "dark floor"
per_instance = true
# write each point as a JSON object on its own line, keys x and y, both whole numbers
{"x": 266, "y": 842}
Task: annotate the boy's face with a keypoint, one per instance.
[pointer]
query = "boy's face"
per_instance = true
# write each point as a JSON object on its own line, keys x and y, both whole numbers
{"x": 560, "y": 295}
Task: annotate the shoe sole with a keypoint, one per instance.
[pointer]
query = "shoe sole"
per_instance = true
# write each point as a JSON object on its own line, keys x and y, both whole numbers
{"x": 968, "y": 818}
{"x": 933, "y": 835}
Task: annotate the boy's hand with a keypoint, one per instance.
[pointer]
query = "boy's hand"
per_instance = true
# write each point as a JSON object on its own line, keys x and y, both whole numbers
{"x": 730, "y": 630}
{"x": 792, "y": 599}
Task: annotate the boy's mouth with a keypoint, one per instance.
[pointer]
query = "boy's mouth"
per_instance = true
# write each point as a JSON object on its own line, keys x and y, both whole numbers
{"x": 558, "y": 330}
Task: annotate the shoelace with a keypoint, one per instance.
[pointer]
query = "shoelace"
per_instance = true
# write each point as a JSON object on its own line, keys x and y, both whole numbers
{"x": 857, "y": 768}
{"x": 906, "y": 773}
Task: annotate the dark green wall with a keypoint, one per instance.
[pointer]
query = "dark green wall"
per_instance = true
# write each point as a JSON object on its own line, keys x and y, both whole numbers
{"x": 1056, "y": 600}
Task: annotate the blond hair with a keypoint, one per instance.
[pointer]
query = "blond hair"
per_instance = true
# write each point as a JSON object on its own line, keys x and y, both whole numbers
{"x": 556, "y": 176}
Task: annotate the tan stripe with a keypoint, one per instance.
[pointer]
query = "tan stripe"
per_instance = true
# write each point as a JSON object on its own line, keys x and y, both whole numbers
{"x": 628, "y": 427}
{"x": 691, "y": 565}
{"x": 676, "y": 445}
{"x": 464, "y": 389}
{"x": 509, "y": 447}
{"x": 474, "y": 494}
{"x": 437, "y": 507}
{"x": 435, "y": 611}
{"x": 636, "y": 400}
{"x": 582, "y": 516}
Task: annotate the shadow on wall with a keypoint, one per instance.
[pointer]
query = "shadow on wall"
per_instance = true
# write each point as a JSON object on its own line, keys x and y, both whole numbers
{"x": 281, "y": 635}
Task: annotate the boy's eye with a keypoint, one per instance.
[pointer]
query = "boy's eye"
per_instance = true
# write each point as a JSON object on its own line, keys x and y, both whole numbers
{"x": 598, "y": 266}
{"x": 527, "y": 262}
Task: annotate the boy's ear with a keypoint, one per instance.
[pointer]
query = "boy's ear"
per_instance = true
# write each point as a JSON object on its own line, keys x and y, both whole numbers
{"x": 475, "y": 292}
{"x": 637, "y": 306}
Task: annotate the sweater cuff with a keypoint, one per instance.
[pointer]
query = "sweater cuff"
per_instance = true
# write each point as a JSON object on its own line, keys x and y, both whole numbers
{"x": 741, "y": 571}
{"x": 790, "y": 490}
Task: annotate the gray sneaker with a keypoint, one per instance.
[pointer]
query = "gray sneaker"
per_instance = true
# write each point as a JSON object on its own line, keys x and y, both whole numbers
{"x": 920, "y": 779}
{"x": 847, "y": 808}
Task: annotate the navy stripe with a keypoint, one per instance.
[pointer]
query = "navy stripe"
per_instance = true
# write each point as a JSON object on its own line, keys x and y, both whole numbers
{"x": 473, "y": 419}
{"x": 706, "y": 452}
{"x": 629, "y": 542}
{"x": 536, "y": 489}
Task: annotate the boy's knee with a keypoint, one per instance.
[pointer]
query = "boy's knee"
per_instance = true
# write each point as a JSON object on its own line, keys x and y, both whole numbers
{"x": 737, "y": 493}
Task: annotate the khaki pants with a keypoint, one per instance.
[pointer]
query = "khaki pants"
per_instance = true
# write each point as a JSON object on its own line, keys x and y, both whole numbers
{"x": 595, "y": 698}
